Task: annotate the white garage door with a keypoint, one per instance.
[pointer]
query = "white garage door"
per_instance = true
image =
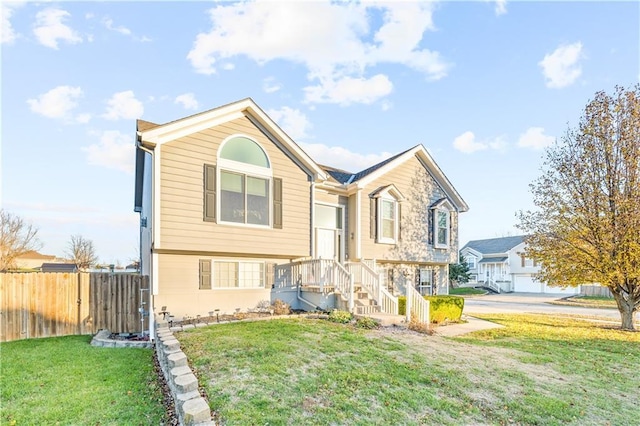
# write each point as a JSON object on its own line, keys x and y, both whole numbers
{"x": 526, "y": 284}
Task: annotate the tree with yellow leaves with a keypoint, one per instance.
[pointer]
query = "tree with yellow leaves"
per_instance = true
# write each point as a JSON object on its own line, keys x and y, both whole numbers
{"x": 586, "y": 228}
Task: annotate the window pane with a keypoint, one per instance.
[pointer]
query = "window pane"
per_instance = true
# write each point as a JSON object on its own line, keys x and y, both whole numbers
{"x": 232, "y": 197}
{"x": 244, "y": 150}
{"x": 442, "y": 220}
{"x": 387, "y": 229}
{"x": 225, "y": 274}
{"x": 328, "y": 217}
{"x": 388, "y": 209}
{"x": 442, "y": 236}
{"x": 251, "y": 274}
{"x": 257, "y": 201}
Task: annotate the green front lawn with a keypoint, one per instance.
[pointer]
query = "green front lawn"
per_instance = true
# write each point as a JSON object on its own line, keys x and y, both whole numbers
{"x": 537, "y": 370}
{"x": 66, "y": 381}
{"x": 463, "y": 291}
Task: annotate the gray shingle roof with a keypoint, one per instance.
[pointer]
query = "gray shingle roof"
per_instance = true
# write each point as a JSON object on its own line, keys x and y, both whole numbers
{"x": 495, "y": 245}
{"x": 343, "y": 176}
{"x": 493, "y": 259}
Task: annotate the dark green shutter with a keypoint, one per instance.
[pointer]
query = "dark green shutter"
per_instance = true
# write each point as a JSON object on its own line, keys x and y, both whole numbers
{"x": 277, "y": 203}
{"x": 209, "y": 193}
{"x": 372, "y": 218}
{"x": 205, "y": 274}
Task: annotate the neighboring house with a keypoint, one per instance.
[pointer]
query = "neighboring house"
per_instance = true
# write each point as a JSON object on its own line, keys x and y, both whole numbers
{"x": 32, "y": 260}
{"x": 500, "y": 264}
{"x": 59, "y": 267}
{"x": 234, "y": 213}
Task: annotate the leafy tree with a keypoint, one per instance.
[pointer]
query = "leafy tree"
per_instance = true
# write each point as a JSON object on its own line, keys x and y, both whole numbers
{"x": 459, "y": 272}
{"x": 82, "y": 252}
{"x": 16, "y": 238}
{"x": 587, "y": 226}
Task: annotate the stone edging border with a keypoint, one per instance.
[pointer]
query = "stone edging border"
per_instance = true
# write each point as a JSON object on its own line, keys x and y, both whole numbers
{"x": 192, "y": 409}
{"x": 102, "y": 339}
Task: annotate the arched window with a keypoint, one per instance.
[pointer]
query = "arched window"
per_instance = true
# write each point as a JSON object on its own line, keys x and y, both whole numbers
{"x": 244, "y": 182}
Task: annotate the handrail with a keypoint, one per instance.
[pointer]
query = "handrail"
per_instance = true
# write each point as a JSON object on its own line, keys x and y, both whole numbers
{"x": 370, "y": 280}
{"x": 417, "y": 306}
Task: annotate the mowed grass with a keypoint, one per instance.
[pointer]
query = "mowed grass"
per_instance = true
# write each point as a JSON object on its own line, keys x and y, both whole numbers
{"x": 536, "y": 370}
{"x": 66, "y": 381}
{"x": 463, "y": 291}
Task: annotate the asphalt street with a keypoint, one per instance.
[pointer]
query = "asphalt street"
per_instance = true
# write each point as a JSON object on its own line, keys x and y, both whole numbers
{"x": 531, "y": 303}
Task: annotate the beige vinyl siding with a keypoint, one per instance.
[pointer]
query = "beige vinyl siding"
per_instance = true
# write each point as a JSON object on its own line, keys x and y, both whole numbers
{"x": 178, "y": 284}
{"x": 181, "y": 198}
{"x": 401, "y": 177}
{"x": 322, "y": 196}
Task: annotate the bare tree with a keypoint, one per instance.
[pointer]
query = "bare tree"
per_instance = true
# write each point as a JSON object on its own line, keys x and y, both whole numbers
{"x": 16, "y": 238}
{"x": 82, "y": 252}
{"x": 587, "y": 226}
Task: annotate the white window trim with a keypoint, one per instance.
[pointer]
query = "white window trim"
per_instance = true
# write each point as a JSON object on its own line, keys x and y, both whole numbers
{"x": 475, "y": 261}
{"x": 381, "y": 239}
{"x": 436, "y": 244}
{"x": 248, "y": 170}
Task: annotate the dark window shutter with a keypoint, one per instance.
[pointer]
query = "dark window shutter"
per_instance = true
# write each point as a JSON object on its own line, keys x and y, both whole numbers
{"x": 522, "y": 260}
{"x": 430, "y": 225}
{"x": 205, "y": 274}
{"x": 209, "y": 193}
{"x": 399, "y": 221}
{"x": 372, "y": 218}
{"x": 277, "y": 203}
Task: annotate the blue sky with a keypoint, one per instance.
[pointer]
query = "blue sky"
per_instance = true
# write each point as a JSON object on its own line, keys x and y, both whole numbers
{"x": 484, "y": 85}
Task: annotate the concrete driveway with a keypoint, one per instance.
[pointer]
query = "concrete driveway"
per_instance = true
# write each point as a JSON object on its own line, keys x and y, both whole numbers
{"x": 530, "y": 303}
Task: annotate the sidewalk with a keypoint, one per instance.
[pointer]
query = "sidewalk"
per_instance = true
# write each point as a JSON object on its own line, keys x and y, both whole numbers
{"x": 472, "y": 324}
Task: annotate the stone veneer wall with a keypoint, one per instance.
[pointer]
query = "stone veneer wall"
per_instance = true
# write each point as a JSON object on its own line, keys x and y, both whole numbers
{"x": 191, "y": 407}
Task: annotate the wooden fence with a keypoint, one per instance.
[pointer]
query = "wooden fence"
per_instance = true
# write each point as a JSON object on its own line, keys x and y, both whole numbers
{"x": 39, "y": 304}
{"x": 595, "y": 290}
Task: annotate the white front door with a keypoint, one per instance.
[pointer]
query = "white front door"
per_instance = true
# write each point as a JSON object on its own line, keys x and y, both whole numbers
{"x": 328, "y": 232}
{"x": 325, "y": 243}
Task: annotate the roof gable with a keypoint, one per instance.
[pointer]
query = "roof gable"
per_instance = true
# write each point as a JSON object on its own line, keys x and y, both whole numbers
{"x": 495, "y": 245}
{"x": 163, "y": 133}
{"x": 420, "y": 152}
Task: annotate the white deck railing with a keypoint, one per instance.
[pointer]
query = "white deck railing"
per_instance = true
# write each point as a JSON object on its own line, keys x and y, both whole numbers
{"x": 325, "y": 274}
{"x": 417, "y": 306}
{"x": 370, "y": 280}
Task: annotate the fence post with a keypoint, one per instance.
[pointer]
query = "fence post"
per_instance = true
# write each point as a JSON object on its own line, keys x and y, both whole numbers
{"x": 408, "y": 305}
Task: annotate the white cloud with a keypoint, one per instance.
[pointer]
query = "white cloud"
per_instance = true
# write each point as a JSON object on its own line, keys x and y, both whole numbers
{"x": 535, "y": 138}
{"x": 336, "y": 41}
{"x": 121, "y": 29}
{"x": 49, "y": 28}
{"x": 349, "y": 90}
{"x": 342, "y": 158}
{"x": 467, "y": 143}
{"x": 6, "y": 12}
{"x": 58, "y": 103}
{"x": 292, "y": 121}
{"x": 123, "y": 105}
{"x": 501, "y": 7}
{"x": 114, "y": 151}
{"x": 562, "y": 68}
{"x": 269, "y": 85}
{"x": 187, "y": 100}
{"x": 108, "y": 23}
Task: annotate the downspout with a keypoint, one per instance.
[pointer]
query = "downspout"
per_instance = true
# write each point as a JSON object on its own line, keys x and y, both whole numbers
{"x": 150, "y": 314}
{"x": 312, "y": 220}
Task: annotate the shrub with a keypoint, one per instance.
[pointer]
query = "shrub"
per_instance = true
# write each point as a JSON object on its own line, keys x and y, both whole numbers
{"x": 420, "y": 327}
{"x": 402, "y": 305}
{"x": 366, "y": 323}
{"x": 342, "y": 317}
{"x": 445, "y": 308}
{"x": 280, "y": 307}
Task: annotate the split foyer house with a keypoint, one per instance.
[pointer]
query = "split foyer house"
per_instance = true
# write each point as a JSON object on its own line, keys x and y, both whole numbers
{"x": 234, "y": 213}
{"x": 500, "y": 264}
